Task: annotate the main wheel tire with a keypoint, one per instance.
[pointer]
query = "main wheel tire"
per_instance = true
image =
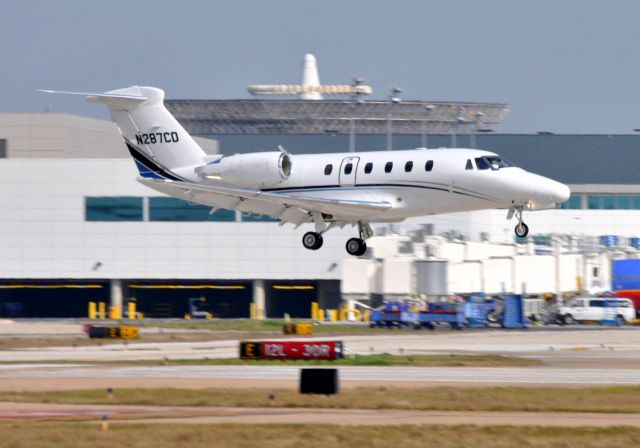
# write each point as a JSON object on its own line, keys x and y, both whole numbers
{"x": 521, "y": 230}
{"x": 568, "y": 320}
{"x": 356, "y": 247}
{"x": 620, "y": 320}
{"x": 312, "y": 240}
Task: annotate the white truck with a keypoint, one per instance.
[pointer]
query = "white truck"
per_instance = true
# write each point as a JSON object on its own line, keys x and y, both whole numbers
{"x": 583, "y": 309}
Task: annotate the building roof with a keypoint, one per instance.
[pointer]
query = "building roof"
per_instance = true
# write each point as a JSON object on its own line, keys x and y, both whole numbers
{"x": 252, "y": 116}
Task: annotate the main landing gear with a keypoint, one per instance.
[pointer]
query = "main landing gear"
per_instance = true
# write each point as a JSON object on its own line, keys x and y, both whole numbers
{"x": 354, "y": 246}
{"x": 312, "y": 240}
{"x": 357, "y": 246}
{"x": 521, "y": 229}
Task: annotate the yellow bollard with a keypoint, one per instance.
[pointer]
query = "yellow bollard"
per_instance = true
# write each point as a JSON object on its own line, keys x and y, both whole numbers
{"x": 252, "y": 311}
{"x": 314, "y": 311}
{"x": 92, "y": 310}
{"x": 102, "y": 308}
{"x": 366, "y": 316}
{"x": 334, "y": 315}
{"x": 115, "y": 313}
{"x": 131, "y": 310}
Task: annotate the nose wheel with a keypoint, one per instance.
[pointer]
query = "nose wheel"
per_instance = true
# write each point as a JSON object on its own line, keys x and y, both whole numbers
{"x": 521, "y": 230}
{"x": 312, "y": 240}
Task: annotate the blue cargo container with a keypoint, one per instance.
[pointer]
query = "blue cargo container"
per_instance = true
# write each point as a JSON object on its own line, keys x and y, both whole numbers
{"x": 625, "y": 275}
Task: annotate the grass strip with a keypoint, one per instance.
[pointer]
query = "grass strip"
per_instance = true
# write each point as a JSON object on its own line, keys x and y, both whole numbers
{"x": 64, "y": 435}
{"x": 613, "y": 399}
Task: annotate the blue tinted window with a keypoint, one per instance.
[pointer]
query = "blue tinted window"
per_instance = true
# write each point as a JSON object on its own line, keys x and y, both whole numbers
{"x": 173, "y": 209}
{"x": 574, "y": 202}
{"x": 609, "y": 202}
{"x": 251, "y": 217}
{"x": 635, "y": 202}
{"x": 110, "y": 208}
{"x": 594, "y": 202}
{"x": 624, "y": 202}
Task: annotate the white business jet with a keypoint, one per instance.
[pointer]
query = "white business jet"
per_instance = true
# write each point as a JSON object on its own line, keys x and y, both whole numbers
{"x": 328, "y": 190}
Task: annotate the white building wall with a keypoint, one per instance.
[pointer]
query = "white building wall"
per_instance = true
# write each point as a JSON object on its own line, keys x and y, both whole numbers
{"x": 570, "y": 222}
{"x": 535, "y": 274}
{"x": 361, "y": 276}
{"x": 498, "y": 275}
{"x": 465, "y": 277}
{"x": 398, "y": 276}
{"x": 44, "y": 234}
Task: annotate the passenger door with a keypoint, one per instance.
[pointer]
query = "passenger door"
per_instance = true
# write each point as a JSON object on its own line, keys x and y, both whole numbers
{"x": 348, "y": 170}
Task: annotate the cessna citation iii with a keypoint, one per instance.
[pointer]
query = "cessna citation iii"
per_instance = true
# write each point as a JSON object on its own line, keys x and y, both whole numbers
{"x": 328, "y": 190}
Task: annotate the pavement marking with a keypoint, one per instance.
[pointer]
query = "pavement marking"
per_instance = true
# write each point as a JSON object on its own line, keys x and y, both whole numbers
{"x": 530, "y": 375}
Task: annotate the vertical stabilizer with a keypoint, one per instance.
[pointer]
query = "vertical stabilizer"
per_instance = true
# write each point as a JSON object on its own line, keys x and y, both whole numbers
{"x": 310, "y": 77}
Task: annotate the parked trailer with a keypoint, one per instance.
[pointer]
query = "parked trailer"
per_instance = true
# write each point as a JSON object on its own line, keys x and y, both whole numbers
{"x": 420, "y": 319}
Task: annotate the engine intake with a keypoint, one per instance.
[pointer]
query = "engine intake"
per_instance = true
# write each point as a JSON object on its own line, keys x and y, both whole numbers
{"x": 253, "y": 170}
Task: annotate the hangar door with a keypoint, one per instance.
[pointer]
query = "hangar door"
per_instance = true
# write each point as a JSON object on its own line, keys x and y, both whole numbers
{"x": 293, "y": 298}
{"x": 173, "y": 299}
{"x": 50, "y": 299}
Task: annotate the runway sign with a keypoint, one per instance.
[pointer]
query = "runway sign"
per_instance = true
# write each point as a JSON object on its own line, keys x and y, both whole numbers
{"x": 291, "y": 350}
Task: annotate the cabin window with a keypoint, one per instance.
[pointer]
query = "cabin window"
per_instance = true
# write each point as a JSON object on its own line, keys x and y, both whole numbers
{"x": 408, "y": 166}
{"x": 469, "y": 165}
{"x": 482, "y": 164}
{"x": 388, "y": 167}
{"x": 328, "y": 169}
{"x": 348, "y": 168}
{"x": 429, "y": 165}
{"x": 368, "y": 167}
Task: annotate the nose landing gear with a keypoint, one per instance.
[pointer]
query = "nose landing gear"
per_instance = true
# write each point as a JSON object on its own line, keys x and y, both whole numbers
{"x": 521, "y": 230}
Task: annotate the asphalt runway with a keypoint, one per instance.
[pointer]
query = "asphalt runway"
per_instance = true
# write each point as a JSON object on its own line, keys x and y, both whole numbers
{"x": 579, "y": 348}
{"x": 466, "y": 375}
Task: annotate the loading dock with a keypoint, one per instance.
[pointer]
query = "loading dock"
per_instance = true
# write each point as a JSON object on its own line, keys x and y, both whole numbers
{"x": 290, "y": 297}
{"x": 50, "y": 298}
{"x": 164, "y": 300}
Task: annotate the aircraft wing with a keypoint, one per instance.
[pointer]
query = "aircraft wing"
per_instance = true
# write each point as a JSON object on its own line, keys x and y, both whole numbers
{"x": 284, "y": 206}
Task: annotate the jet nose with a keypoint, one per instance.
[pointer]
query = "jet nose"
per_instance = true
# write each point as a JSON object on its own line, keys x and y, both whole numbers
{"x": 560, "y": 193}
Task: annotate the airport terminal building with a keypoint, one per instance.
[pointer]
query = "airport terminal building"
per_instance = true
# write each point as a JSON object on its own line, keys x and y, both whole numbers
{"x": 77, "y": 227}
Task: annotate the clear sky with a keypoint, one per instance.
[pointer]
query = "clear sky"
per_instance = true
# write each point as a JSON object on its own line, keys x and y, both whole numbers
{"x": 562, "y": 65}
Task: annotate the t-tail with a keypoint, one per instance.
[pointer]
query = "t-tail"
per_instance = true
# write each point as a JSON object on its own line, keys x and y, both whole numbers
{"x": 160, "y": 146}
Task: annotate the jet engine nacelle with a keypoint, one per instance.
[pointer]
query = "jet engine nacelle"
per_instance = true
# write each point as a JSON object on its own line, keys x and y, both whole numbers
{"x": 253, "y": 170}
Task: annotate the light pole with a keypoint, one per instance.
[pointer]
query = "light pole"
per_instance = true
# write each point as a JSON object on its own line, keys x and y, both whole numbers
{"x": 393, "y": 99}
{"x": 428, "y": 109}
{"x": 355, "y": 100}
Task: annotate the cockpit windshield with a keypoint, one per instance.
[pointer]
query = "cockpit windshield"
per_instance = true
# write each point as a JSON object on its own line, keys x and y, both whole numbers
{"x": 492, "y": 162}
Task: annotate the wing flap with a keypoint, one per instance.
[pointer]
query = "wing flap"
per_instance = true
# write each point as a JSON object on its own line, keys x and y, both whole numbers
{"x": 344, "y": 209}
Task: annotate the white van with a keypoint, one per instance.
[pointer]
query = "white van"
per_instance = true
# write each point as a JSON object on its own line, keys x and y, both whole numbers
{"x": 581, "y": 309}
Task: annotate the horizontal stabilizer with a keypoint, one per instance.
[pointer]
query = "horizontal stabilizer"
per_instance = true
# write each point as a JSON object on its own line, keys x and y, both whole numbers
{"x": 104, "y": 98}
